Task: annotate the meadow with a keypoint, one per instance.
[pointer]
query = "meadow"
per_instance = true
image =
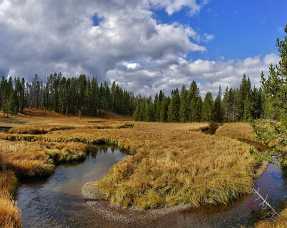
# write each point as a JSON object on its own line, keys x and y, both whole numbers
{"x": 169, "y": 164}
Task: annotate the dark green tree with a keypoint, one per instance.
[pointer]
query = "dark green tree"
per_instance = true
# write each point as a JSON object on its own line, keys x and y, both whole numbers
{"x": 164, "y": 109}
{"x": 173, "y": 108}
{"x": 195, "y": 103}
{"x": 184, "y": 105}
{"x": 217, "y": 108}
{"x": 207, "y": 107}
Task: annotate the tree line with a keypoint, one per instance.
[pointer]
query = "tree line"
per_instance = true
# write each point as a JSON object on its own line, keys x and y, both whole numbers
{"x": 187, "y": 105}
{"x": 244, "y": 103}
{"x": 275, "y": 83}
{"x": 68, "y": 95}
{"x": 84, "y": 96}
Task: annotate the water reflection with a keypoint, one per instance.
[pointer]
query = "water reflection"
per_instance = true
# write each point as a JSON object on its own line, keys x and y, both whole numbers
{"x": 57, "y": 202}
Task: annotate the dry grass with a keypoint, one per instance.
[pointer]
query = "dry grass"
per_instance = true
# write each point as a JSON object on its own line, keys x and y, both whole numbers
{"x": 9, "y": 213}
{"x": 31, "y": 129}
{"x": 178, "y": 167}
{"x": 244, "y": 132}
{"x": 25, "y": 158}
{"x": 240, "y": 131}
{"x": 280, "y": 222}
{"x": 172, "y": 164}
{"x": 36, "y": 159}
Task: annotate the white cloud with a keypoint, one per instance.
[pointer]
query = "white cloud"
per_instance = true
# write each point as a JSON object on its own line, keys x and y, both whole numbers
{"x": 208, "y": 37}
{"x": 131, "y": 65}
{"x": 46, "y": 36}
{"x": 127, "y": 45}
{"x": 209, "y": 74}
{"x": 172, "y": 6}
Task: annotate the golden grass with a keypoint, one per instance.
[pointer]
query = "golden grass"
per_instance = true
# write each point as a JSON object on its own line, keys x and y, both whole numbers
{"x": 38, "y": 158}
{"x": 25, "y": 158}
{"x": 173, "y": 163}
{"x": 280, "y": 222}
{"x": 240, "y": 131}
{"x": 244, "y": 132}
{"x": 179, "y": 168}
{"x": 9, "y": 213}
{"x": 31, "y": 129}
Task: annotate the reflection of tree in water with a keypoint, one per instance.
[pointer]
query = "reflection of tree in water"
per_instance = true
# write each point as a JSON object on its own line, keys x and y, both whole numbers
{"x": 271, "y": 199}
{"x": 95, "y": 150}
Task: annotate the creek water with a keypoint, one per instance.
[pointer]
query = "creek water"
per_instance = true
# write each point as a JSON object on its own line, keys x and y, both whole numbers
{"x": 4, "y": 129}
{"x": 57, "y": 201}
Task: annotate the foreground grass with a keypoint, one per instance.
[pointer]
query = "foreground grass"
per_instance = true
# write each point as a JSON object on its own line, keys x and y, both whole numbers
{"x": 178, "y": 168}
{"x": 9, "y": 213}
{"x": 280, "y": 222}
{"x": 239, "y": 131}
{"x": 170, "y": 164}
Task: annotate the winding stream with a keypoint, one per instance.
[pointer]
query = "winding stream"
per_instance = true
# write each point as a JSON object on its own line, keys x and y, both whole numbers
{"x": 57, "y": 201}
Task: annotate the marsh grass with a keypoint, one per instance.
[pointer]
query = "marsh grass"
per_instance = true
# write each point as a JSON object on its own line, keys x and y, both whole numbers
{"x": 170, "y": 163}
{"x": 9, "y": 213}
{"x": 34, "y": 130}
{"x": 239, "y": 131}
{"x": 193, "y": 169}
{"x": 280, "y": 222}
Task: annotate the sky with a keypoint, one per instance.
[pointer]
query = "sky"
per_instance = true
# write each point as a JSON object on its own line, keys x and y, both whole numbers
{"x": 143, "y": 45}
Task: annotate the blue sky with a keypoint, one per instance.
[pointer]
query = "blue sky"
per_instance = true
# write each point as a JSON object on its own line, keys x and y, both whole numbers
{"x": 240, "y": 28}
{"x": 143, "y": 45}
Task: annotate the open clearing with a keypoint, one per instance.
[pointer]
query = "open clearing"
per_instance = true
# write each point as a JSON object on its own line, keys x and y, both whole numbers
{"x": 169, "y": 164}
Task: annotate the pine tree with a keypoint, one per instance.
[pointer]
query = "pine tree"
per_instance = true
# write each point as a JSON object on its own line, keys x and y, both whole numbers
{"x": 246, "y": 110}
{"x": 173, "y": 108}
{"x": 256, "y": 103}
{"x": 158, "y": 105}
{"x": 164, "y": 109}
{"x": 245, "y": 106}
{"x": 275, "y": 85}
{"x": 207, "y": 107}
{"x": 184, "y": 105}
{"x": 194, "y": 102}
{"x": 217, "y": 109}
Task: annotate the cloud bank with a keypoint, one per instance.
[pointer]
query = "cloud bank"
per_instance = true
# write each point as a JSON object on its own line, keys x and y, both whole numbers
{"x": 115, "y": 40}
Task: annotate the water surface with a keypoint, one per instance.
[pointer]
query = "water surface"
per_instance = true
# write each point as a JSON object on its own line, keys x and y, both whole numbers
{"x": 57, "y": 202}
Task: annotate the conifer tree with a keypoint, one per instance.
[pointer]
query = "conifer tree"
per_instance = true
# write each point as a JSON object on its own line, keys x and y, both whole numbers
{"x": 173, "y": 108}
{"x": 207, "y": 107}
{"x": 275, "y": 85}
{"x": 158, "y": 105}
{"x": 218, "y": 109}
{"x": 164, "y": 109}
{"x": 184, "y": 105}
{"x": 194, "y": 102}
